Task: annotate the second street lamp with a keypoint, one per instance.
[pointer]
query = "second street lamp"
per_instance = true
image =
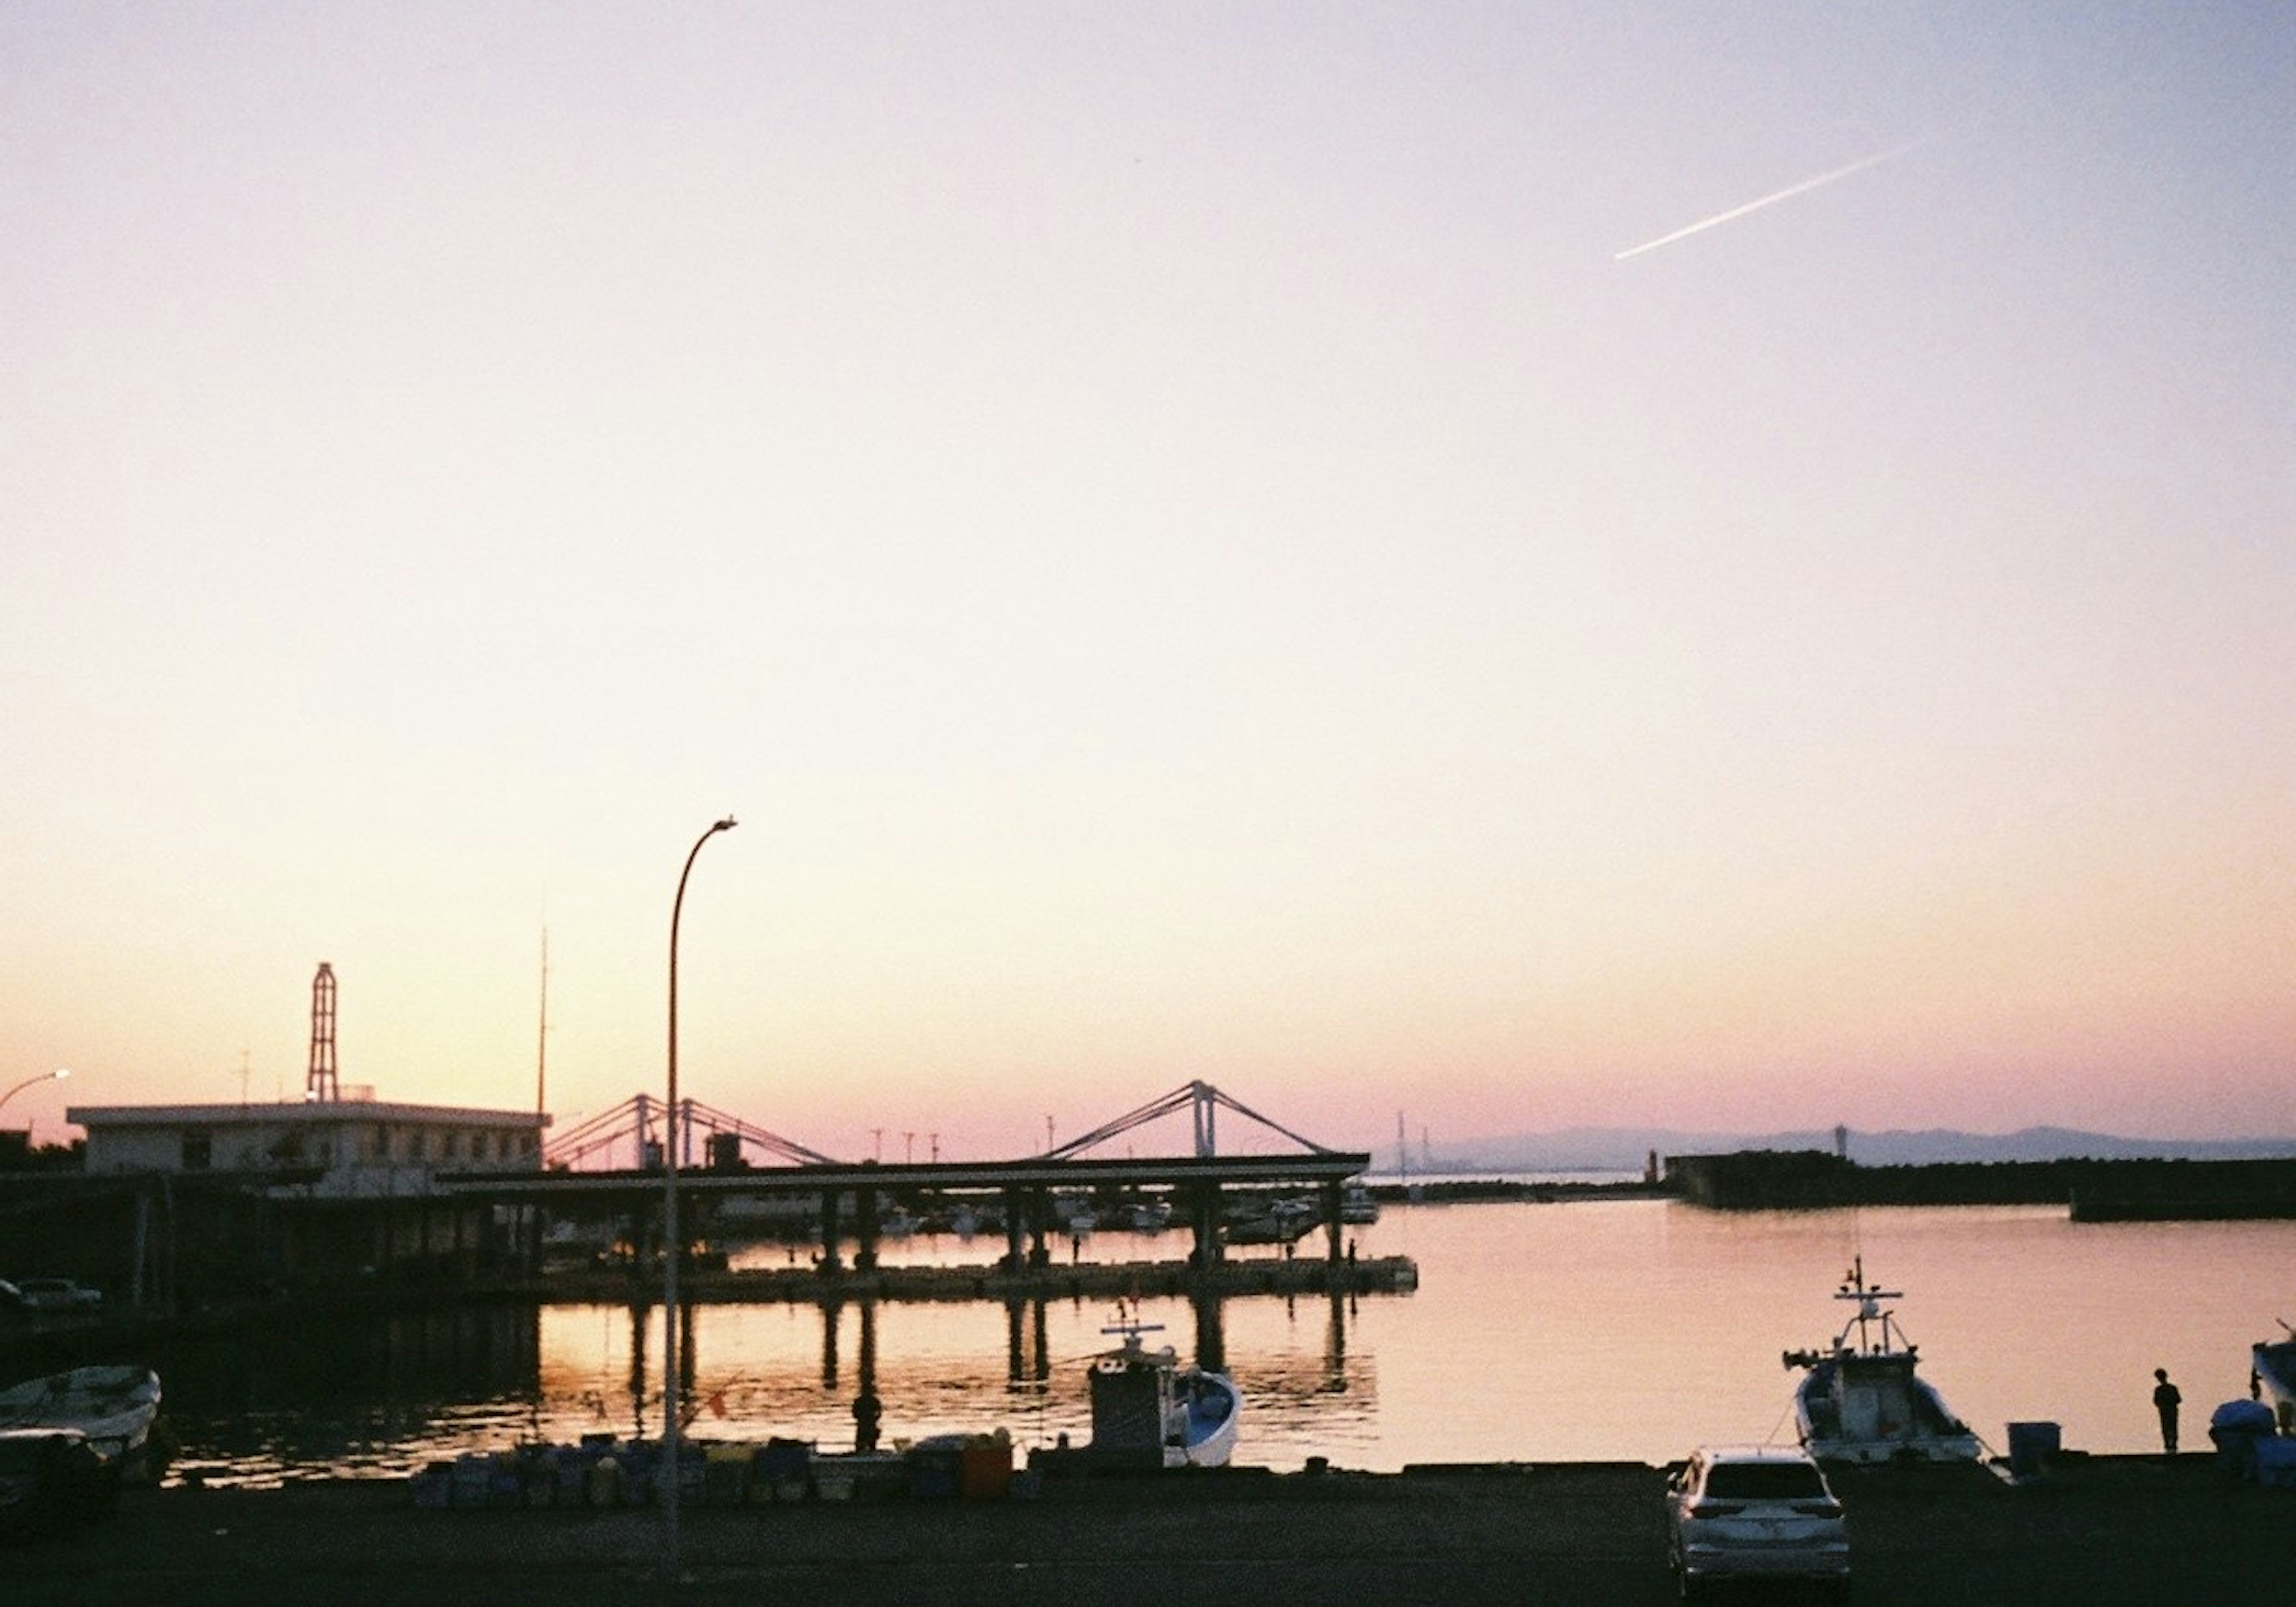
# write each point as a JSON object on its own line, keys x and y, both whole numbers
{"x": 671, "y": 1246}
{"x": 33, "y": 1082}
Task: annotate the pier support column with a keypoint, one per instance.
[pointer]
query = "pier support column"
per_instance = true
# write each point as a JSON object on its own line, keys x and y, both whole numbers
{"x": 1014, "y": 1227}
{"x": 865, "y": 1230}
{"x": 829, "y": 1261}
{"x": 1204, "y": 1224}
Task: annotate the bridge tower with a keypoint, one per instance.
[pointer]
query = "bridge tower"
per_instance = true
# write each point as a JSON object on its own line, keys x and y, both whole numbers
{"x": 319, "y": 1086}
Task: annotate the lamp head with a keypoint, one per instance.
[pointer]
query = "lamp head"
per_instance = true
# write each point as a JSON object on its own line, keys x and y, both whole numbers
{"x": 725, "y": 825}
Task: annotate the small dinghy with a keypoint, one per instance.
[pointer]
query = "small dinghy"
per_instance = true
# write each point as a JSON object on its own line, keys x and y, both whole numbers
{"x": 113, "y": 1406}
{"x": 1149, "y": 1411}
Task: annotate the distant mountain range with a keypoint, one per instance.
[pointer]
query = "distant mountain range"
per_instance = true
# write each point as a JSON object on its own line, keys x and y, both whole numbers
{"x": 1625, "y": 1149}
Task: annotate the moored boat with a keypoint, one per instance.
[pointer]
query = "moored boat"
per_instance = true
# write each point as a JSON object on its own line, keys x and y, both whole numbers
{"x": 113, "y": 1405}
{"x": 1149, "y": 1411}
{"x": 2272, "y": 1376}
{"x": 1148, "y": 1216}
{"x": 1861, "y": 1400}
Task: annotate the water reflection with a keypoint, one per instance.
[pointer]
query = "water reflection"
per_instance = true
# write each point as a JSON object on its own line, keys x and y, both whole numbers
{"x": 1610, "y": 1331}
{"x": 286, "y": 1397}
{"x": 385, "y": 1397}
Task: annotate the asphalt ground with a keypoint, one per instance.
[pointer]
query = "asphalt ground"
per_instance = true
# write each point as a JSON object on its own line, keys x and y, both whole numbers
{"x": 2109, "y": 1531}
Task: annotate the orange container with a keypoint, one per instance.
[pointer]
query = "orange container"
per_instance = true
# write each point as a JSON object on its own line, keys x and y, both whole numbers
{"x": 984, "y": 1468}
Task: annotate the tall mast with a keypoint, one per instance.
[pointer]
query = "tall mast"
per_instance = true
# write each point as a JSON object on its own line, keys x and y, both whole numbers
{"x": 542, "y": 1032}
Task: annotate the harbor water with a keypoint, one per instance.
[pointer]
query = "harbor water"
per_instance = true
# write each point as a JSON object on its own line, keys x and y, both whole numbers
{"x": 1596, "y": 1330}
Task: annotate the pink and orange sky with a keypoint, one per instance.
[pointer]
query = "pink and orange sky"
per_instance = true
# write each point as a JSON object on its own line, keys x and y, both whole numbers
{"x": 1184, "y": 544}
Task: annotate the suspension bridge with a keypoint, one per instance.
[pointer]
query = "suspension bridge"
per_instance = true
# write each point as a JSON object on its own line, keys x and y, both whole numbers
{"x": 732, "y": 1175}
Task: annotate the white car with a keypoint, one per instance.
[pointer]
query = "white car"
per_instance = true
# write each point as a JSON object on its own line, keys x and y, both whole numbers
{"x": 59, "y": 1294}
{"x": 1756, "y": 1511}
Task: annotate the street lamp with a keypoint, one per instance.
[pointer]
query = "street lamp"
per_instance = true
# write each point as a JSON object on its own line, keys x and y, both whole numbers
{"x": 58, "y": 1074}
{"x": 669, "y": 1227}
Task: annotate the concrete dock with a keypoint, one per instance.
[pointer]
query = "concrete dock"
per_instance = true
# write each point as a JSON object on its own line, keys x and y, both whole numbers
{"x": 2142, "y": 1529}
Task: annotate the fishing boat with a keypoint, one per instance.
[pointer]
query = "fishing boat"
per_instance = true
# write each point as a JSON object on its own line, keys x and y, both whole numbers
{"x": 2272, "y": 1375}
{"x": 1860, "y": 1399}
{"x": 1268, "y": 1221}
{"x": 113, "y": 1406}
{"x": 1149, "y": 1411}
{"x": 1148, "y": 1216}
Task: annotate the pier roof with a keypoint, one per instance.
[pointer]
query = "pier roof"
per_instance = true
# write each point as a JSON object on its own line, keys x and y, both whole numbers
{"x": 313, "y": 1112}
{"x": 1323, "y": 1166}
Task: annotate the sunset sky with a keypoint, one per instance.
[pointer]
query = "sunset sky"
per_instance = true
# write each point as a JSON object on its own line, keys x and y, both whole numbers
{"x": 1190, "y": 538}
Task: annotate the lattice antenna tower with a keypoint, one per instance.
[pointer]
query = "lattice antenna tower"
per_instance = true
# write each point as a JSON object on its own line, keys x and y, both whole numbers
{"x": 319, "y": 1086}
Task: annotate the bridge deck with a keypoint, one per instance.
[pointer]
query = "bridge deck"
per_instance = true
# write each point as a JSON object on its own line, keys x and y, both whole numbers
{"x": 1384, "y": 1275}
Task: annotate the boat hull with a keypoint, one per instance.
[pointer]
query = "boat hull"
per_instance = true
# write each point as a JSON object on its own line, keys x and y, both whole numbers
{"x": 1148, "y": 1412}
{"x": 1206, "y": 1409}
{"x": 114, "y": 1406}
{"x": 1871, "y": 1409}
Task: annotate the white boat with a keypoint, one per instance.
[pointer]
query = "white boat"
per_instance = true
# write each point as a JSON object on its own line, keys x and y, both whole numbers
{"x": 1269, "y": 1222}
{"x": 1149, "y": 1411}
{"x": 1860, "y": 1399}
{"x": 2272, "y": 1376}
{"x": 1148, "y": 1216}
{"x": 113, "y": 1406}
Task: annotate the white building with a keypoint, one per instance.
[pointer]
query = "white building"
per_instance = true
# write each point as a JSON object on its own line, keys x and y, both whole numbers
{"x": 356, "y": 1146}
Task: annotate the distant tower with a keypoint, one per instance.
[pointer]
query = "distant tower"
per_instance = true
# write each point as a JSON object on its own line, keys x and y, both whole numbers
{"x": 319, "y": 1086}
{"x": 1840, "y": 1141}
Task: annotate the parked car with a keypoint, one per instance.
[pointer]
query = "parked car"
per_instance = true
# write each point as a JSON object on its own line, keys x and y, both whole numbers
{"x": 1760, "y": 1511}
{"x": 59, "y": 1294}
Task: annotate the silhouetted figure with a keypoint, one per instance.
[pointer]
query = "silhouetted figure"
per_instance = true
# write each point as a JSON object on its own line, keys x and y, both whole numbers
{"x": 866, "y": 1410}
{"x": 2166, "y": 1399}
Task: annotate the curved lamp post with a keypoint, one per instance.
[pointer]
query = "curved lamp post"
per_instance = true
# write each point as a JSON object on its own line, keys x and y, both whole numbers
{"x": 670, "y": 1244}
{"x": 57, "y": 1075}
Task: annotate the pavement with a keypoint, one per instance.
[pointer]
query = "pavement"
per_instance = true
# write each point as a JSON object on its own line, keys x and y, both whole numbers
{"x": 2148, "y": 1530}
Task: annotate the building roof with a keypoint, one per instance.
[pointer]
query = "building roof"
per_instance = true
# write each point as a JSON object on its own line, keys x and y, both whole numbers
{"x": 300, "y": 1112}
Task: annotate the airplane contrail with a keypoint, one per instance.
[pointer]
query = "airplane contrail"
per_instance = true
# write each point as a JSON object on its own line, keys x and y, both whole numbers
{"x": 1788, "y": 194}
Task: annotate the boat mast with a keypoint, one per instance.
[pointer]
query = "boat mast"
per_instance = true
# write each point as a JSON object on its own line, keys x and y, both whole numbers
{"x": 542, "y": 1032}
{"x": 1869, "y": 1298}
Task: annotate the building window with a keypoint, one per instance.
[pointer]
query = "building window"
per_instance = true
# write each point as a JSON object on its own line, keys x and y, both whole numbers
{"x": 199, "y": 1151}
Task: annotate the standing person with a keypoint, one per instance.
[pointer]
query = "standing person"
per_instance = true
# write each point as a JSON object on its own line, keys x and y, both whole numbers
{"x": 2166, "y": 1399}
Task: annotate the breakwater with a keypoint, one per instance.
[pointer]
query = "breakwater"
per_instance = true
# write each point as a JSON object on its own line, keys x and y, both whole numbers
{"x": 2091, "y": 1190}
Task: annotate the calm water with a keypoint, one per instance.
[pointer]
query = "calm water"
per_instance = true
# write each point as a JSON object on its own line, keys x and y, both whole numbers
{"x": 1611, "y": 1330}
